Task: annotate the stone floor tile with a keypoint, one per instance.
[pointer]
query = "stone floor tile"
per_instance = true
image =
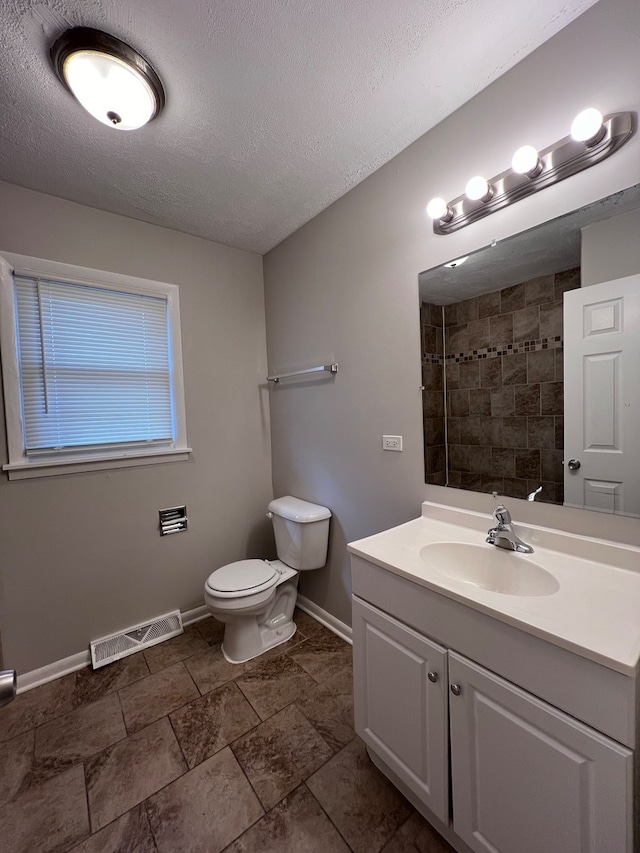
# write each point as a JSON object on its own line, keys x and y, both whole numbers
{"x": 279, "y": 650}
{"x": 280, "y": 753}
{"x": 37, "y": 706}
{"x": 274, "y": 684}
{"x": 204, "y": 810}
{"x": 307, "y": 625}
{"x": 126, "y": 774}
{"x": 92, "y": 684}
{"x": 323, "y": 655}
{"x": 203, "y": 727}
{"x": 130, "y": 833}
{"x": 68, "y": 740}
{"x": 360, "y": 801}
{"x": 16, "y": 766}
{"x": 417, "y": 836}
{"x": 176, "y": 649}
{"x": 211, "y": 669}
{"x": 80, "y": 718}
{"x": 210, "y": 630}
{"x": 48, "y": 817}
{"x": 156, "y": 695}
{"x": 329, "y": 706}
{"x": 296, "y": 825}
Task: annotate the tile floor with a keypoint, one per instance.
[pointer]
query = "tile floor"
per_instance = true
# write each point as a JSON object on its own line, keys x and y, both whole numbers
{"x": 174, "y": 749}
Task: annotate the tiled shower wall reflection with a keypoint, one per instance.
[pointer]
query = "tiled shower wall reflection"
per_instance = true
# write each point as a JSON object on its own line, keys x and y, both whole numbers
{"x": 432, "y": 334}
{"x": 503, "y": 356}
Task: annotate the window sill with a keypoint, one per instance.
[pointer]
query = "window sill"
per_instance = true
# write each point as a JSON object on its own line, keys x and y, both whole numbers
{"x": 55, "y": 467}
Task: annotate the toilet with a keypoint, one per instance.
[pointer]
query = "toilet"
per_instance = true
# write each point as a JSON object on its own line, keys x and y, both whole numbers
{"x": 255, "y": 599}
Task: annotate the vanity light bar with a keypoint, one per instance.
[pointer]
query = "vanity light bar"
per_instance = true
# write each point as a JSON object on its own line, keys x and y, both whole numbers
{"x": 592, "y": 139}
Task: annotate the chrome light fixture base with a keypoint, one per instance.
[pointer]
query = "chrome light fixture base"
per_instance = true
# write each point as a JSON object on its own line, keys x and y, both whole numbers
{"x": 87, "y": 41}
{"x": 559, "y": 161}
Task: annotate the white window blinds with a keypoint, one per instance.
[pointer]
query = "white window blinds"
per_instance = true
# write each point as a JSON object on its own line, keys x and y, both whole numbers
{"x": 95, "y": 367}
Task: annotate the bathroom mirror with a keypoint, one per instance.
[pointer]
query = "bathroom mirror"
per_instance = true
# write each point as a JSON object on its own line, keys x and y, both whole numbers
{"x": 495, "y": 364}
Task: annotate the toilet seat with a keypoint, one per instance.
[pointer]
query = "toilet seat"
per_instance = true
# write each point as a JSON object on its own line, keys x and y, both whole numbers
{"x": 245, "y": 577}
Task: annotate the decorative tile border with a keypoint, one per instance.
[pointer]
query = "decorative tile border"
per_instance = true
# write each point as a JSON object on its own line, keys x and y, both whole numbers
{"x": 493, "y": 352}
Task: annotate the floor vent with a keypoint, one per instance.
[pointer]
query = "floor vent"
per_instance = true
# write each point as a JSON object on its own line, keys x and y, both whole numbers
{"x": 117, "y": 646}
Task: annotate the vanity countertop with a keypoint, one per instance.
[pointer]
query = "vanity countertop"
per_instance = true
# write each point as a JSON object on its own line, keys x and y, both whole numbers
{"x": 594, "y": 613}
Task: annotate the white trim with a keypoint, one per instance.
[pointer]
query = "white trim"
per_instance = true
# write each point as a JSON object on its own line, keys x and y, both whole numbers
{"x": 29, "y": 680}
{"x": 19, "y": 467}
{"x": 37, "y": 677}
{"x": 28, "y": 470}
{"x": 43, "y": 268}
{"x": 196, "y": 614}
{"x": 325, "y": 618}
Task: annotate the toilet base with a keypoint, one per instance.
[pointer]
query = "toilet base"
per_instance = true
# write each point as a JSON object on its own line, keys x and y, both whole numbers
{"x": 270, "y": 637}
{"x": 248, "y": 636}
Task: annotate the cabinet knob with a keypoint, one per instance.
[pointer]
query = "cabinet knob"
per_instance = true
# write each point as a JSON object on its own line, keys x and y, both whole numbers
{"x": 433, "y": 676}
{"x": 456, "y": 689}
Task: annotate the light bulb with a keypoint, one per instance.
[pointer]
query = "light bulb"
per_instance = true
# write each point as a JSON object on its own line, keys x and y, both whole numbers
{"x": 438, "y": 209}
{"x": 478, "y": 189}
{"x": 587, "y": 126}
{"x": 526, "y": 161}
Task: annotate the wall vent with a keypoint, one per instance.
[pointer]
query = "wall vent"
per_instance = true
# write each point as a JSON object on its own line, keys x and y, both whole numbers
{"x": 108, "y": 649}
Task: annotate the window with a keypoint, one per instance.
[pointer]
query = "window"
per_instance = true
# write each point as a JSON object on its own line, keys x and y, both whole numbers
{"x": 92, "y": 369}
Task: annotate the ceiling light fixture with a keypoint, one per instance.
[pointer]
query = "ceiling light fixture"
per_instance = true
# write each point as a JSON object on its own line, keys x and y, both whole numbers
{"x": 593, "y": 138}
{"x": 108, "y": 78}
{"x": 458, "y": 262}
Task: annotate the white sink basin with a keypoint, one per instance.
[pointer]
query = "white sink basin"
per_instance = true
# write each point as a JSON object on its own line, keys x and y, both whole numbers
{"x": 576, "y": 591}
{"x": 488, "y": 567}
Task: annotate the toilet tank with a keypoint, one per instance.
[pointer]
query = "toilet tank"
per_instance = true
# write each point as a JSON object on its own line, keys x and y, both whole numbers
{"x": 302, "y": 532}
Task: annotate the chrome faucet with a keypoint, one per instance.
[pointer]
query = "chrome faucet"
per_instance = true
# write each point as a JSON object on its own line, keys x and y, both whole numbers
{"x": 503, "y": 535}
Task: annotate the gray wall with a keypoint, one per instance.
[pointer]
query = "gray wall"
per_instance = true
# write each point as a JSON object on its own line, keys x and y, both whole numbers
{"x": 611, "y": 249}
{"x": 81, "y": 556}
{"x": 345, "y": 286}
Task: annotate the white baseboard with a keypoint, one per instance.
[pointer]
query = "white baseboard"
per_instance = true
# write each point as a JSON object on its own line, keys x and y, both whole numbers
{"x": 327, "y": 619}
{"x": 197, "y": 614}
{"x": 37, "y": 677}
{"x": 29, "y": 680}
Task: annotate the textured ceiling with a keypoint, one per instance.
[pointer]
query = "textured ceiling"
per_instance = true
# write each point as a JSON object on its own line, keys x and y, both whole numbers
{"x": 275, "y": 108}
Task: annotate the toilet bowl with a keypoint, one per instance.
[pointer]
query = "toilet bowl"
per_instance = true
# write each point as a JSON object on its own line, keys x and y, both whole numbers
{"x": 255, "y": 599}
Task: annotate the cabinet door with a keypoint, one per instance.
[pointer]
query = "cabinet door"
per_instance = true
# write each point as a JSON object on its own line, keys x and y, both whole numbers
{"x": 400, "y": 699}
{"x": 528, "y": 778}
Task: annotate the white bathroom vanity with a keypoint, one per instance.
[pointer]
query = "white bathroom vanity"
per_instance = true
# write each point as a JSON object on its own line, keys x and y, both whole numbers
{"x": 496, "y": 690}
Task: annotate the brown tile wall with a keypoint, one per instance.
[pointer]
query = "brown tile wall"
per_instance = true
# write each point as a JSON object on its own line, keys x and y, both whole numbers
{"x": 431, "y": 329}
{"x": 504, "y": 399}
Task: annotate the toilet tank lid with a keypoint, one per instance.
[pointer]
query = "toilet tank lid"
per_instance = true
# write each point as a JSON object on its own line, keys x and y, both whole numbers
{"x": 298, "y": 510}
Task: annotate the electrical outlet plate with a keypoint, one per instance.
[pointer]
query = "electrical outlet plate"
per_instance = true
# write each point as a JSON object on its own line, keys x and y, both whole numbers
{"x": 392, "y": 442}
